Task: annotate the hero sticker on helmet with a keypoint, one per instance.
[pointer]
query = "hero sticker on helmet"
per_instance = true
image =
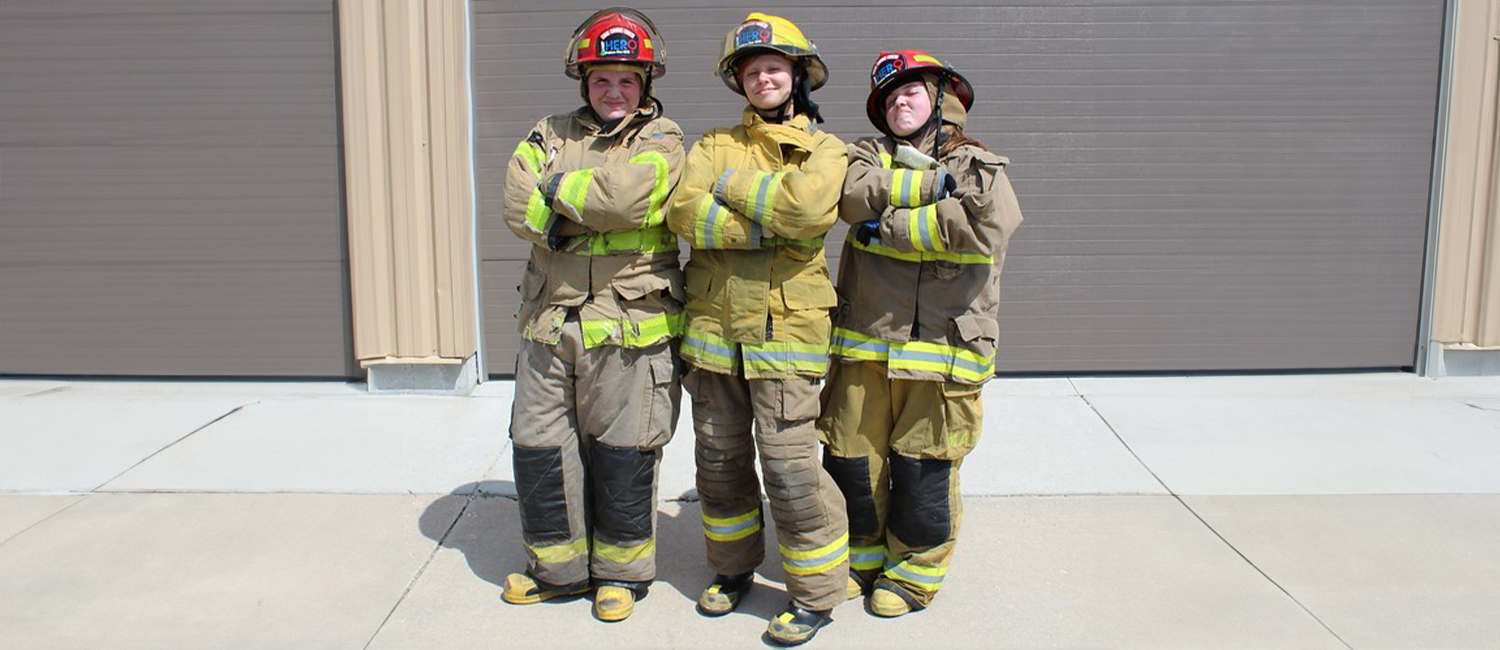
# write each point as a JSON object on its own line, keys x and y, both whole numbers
{"x": 755, "y": 32}
{"x": 616, "y": 35}
{"x": 619, "y": 41}
{"x": 887, "y": 65}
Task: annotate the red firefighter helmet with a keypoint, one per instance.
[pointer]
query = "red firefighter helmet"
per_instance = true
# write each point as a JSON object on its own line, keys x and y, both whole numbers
{"x": 892, "y": 69}
{"x": 616, "y": 35}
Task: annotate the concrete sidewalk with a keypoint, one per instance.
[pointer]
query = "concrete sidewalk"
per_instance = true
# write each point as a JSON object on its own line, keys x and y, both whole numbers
{"x": 1299, "y": 511}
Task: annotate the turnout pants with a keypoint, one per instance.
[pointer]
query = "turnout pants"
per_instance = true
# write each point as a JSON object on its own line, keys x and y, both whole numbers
{"x": 811, "y": 526}
{"x": 894, "y": 449}
{"x": 587, "y": 429}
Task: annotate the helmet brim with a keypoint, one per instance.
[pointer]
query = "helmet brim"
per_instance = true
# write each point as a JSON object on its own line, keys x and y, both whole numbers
{"x": 817, "y": 71}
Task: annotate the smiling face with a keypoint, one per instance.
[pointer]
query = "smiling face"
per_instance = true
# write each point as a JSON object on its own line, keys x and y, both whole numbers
{"x": 908, "y": 108}
{"x": 613, "y": 94}
{"x": 766, "y": 79}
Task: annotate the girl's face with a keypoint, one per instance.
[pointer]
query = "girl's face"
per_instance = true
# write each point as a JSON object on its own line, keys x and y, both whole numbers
{"x": 767, "y": 80}
{"x": 908, "y": 108}
{"x": 613, "y": 94}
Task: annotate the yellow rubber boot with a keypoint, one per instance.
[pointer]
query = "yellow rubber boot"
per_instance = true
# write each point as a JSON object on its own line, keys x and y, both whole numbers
{"x": 522, "y": 589}
{"x": 890, "y": 600}
{"x": 796, "y": 626}
{"x": 613, "y": 603}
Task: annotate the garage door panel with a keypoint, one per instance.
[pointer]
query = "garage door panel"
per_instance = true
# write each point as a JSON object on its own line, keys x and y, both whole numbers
{"x": 174, "y": 319}
{"x": 170, "y": 189}
{"x": 248, "y": 74}
{"x": 81, "y": 204}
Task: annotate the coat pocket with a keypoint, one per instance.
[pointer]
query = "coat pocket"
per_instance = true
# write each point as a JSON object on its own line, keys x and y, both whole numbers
{"x": 809, "y": 294}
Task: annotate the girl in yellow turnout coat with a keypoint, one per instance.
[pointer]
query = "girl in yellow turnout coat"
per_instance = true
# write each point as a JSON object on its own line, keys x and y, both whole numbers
{"x": 931, "y": 212}
{"x": 754, "y": 203}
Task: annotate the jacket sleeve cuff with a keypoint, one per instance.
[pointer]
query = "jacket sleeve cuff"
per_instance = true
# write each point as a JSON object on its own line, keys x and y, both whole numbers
{"x": 717, "y": 226}
{"x": 751, "y": 193}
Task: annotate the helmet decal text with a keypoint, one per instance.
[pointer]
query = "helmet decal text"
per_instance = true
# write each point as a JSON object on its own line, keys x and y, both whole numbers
{"x": 619, "y": 41}
{"x": 755, "y": 32}
{"x": 887, "y": 66}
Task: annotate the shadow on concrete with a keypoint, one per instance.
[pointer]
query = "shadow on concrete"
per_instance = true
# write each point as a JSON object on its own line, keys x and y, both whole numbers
{"x": 488, "y": 533}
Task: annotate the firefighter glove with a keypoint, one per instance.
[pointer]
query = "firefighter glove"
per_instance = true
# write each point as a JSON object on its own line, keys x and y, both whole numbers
{"x": 867, "y": 232}
{"x": 945, "y": 185}
{"x": 555, "y": 239}
{"x": 907, "y": 156}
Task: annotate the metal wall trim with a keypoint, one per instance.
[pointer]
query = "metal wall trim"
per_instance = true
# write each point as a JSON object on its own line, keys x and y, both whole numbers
{"x": 409, "y": 152}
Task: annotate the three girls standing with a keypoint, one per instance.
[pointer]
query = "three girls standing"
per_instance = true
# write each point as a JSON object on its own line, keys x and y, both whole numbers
{"x": 913, "y": 338}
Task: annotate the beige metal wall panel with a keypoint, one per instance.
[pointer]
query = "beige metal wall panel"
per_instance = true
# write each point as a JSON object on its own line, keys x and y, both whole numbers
{"x": 1467, "y": 310}
{"x": 169, "y": 189}
{"x": 407, "y": 149}
{"x": 1207, "y": 186}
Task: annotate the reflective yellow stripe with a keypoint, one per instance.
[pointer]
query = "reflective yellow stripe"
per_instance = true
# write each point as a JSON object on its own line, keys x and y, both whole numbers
{"x": 864, "y": 558}
{"x": 712, "y": 217}
{"x": 656, "y": 239}
{"x": 926, "y": 576}
{"x": 762, "y": 197}
{"x": 817, "y": 560}
{"x": 708, "y": 350}
{"x": 574, "y": 189}
{"x": 532, "y": 153}
{"x": 906, "y": 188}
{"x": 624, "y": 333}
{"x": 781, "y": 357}
{"x": 654, "y": 214}
{"x": 538, "y": 215}
{"x": 933, "y": 357}
{"x": 729, "y": 529}
{"x": 624, "y": 554}
{"x": 561, "y": 553}
{"x": 923, "y": 58}
{"x": 886, "y": 162}
{"x": 922, "y": 256}
{"x": 922, "y": 227}
{"x": 914, "y": 355}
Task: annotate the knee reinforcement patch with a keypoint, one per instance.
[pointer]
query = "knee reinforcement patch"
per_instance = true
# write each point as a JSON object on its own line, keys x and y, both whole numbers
{"x": 623, "y": 486}
{"x": 920, "y": 514}
{"x": 853, "y": 478}
{"x": 544, "y": 503}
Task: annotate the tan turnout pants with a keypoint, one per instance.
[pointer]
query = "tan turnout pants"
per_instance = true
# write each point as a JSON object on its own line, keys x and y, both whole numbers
{"x": 587, "y": 428}
{"x": 894, "y": 449}
{"x": 811, "y": 526}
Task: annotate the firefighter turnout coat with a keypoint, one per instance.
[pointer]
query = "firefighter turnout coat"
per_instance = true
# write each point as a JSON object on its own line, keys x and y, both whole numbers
{"x": 755, "y": 202}
{"x": 923, "y": 296}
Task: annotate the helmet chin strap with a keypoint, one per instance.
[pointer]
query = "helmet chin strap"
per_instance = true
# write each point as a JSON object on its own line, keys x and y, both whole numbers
{"x": 937, "y": 119}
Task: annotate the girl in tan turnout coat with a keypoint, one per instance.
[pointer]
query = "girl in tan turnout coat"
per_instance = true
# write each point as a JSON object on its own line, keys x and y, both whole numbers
{"x": 596, "y": 383}
{"x": 914, "y": 338}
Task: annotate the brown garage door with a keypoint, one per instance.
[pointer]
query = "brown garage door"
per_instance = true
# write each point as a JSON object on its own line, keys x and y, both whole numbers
{"x": 169, "y": 189}
{"x": 1207, "y": 186}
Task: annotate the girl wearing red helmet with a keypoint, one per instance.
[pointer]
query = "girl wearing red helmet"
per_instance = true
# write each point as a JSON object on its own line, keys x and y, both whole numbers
{"x": 597, "y": 391}
{"x": 931, "y": 212}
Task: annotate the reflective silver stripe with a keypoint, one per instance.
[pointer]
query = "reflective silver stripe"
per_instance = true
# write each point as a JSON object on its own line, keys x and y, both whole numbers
{"x": 812, "y": 562}
{"x": 907, "y": 355}
{"x": 709, "y": 223}
{"x": 753, "y": 522}
{"x": 919, "y": 578}
{"x": 752, "y": 354}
